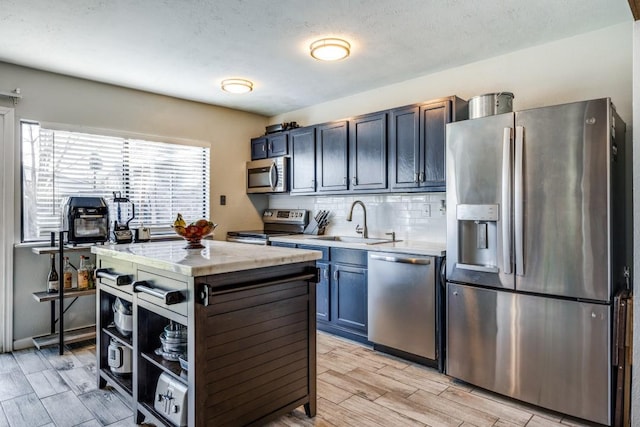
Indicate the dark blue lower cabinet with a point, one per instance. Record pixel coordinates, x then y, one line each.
349 298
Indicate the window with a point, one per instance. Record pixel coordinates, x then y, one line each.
160 178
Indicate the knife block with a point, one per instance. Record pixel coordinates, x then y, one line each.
313 228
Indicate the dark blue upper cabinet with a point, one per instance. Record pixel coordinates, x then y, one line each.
332 156
303 160
417 146
259 148
275 145
433 120
368 152
404 147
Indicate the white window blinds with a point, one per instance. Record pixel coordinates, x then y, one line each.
161 179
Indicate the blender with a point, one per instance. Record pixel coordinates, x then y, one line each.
121 231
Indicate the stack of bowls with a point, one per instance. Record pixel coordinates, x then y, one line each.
174 341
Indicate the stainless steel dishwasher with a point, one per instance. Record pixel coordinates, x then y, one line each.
402 302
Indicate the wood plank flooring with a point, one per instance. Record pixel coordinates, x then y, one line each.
356 387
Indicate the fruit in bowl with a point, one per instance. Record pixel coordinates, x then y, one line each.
193 232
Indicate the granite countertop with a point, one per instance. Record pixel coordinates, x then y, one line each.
217 257
403 246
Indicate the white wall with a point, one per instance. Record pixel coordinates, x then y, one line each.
591 65
55 98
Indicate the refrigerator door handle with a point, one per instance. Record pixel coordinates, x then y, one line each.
518 211
505 214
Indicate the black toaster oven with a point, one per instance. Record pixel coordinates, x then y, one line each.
86 219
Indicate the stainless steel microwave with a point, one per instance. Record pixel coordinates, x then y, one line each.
268 175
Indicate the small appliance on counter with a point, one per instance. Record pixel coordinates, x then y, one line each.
142 234
121 231
171 399
119 358
277 222
86 218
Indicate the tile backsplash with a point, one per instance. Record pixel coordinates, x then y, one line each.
420 217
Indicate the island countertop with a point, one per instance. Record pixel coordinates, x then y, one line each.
217 257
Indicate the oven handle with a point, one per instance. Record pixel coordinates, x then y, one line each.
168 297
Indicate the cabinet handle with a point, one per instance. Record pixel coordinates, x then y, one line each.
120 279
264 148
335 275
421 176
326 273
416 178
168 297
354 181
271 146
344 181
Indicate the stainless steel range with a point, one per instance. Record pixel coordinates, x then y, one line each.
277 222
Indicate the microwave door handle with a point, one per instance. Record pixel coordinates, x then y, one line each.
273 176
518 195
505 213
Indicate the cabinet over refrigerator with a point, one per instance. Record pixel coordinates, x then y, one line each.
536 250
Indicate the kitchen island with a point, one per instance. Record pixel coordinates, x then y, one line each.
249 314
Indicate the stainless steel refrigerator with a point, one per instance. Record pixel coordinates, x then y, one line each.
536 249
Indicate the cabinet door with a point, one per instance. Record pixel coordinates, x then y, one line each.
322 292
331 156
368 152
349 297
404 148
433 119
303 160
277 145
259 148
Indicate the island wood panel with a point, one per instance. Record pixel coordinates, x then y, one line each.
259 339
276 328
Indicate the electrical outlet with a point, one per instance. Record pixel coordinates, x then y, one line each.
426 210
223 200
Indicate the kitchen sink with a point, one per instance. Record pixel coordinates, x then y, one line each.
353 239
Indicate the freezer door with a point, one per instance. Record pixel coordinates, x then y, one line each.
479 179
561 216
549 352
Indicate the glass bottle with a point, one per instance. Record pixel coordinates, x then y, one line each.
53 280
92 273
83 274
67 274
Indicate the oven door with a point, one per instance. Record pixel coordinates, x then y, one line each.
267 176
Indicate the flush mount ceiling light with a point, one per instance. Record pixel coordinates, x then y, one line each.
236 85
330 49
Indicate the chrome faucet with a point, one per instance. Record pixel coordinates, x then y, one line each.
359 230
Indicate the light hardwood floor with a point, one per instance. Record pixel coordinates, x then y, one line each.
356 387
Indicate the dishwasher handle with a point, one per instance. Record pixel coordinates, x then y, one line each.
403 260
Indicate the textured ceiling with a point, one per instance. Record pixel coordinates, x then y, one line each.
184 48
